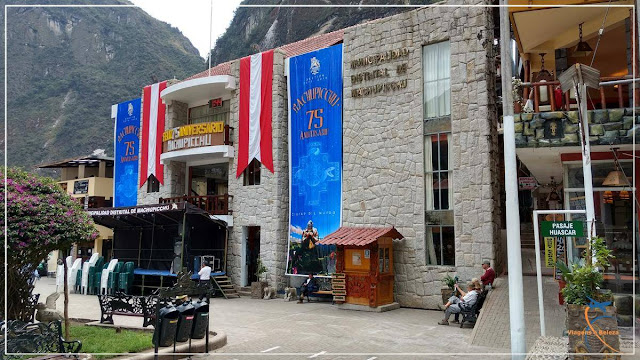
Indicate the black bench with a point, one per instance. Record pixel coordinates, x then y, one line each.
127 305
470 315
31 338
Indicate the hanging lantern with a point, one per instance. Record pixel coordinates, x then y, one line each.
582 49
624 195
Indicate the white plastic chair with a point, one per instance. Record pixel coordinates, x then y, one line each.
73 273
104 279
85 272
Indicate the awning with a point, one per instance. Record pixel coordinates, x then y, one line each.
359 236
147 215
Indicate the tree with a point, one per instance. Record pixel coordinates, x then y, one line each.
41 217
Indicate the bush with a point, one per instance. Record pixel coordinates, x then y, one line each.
41 218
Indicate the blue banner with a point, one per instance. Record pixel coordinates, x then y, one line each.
315 159
126 153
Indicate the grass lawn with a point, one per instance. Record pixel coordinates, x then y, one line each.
96 339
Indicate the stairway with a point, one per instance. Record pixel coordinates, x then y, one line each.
245 291
223 284
527 239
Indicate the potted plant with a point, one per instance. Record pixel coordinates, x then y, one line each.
447 291
591 319
257 287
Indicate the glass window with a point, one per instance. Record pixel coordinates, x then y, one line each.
437 172
153 185
436 63
210 112
440 245
599 172
252 173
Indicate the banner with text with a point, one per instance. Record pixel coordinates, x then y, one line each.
315 158
126 153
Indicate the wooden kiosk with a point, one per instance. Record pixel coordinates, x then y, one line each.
365 261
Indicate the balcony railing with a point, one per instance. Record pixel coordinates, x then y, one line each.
544 99
213 204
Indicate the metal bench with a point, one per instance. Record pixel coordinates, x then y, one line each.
127 305
31 338
470 315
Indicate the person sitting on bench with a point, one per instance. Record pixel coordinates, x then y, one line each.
308 287
455 304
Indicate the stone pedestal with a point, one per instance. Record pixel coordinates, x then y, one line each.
446 294
591 330
257 288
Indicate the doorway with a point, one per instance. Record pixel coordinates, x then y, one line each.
252 253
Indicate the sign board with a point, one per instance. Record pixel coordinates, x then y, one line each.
550 252
315 85
527 183
81 187
562 228
561 255
193 136
213 103
126 143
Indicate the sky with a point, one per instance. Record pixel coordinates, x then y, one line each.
192 18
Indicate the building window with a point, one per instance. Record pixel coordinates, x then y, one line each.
437 172
153 185
436 63
440 245
215 110
252 173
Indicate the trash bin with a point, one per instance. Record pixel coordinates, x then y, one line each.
185 321
165 331
200 319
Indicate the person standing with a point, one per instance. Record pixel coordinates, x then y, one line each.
205 273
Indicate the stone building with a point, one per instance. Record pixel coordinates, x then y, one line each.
420 150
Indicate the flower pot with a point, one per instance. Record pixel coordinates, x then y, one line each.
446 294
257 288
592 330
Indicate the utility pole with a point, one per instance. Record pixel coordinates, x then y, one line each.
514 257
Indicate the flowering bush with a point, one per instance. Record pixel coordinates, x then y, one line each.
41 218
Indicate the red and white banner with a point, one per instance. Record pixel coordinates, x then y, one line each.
254 125
152 128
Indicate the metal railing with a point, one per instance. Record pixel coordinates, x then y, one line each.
213 204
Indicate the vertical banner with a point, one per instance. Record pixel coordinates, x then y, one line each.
315 158
126 152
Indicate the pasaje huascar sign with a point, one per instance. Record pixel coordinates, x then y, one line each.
562 228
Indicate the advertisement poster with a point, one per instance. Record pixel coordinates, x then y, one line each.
126 153
315 159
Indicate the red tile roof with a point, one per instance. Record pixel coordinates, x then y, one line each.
299 47
359 236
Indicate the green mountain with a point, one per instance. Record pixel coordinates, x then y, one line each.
255 29
67 66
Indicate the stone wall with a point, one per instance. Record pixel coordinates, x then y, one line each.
383 143
265 205
610 126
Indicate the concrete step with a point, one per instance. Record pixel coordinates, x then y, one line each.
244 293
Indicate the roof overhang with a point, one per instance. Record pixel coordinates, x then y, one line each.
544 29
199 89
197 154
147 215
359 236
545 162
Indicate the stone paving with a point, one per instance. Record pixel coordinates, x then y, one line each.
493 328
286 330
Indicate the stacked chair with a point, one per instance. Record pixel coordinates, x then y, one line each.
125 278
104 276
94 282
60 274
114 276
84 284
72 274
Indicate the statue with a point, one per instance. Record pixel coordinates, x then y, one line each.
47 312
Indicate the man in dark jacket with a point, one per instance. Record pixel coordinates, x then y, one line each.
307 287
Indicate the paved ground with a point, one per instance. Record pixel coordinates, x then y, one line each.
258 329
493 328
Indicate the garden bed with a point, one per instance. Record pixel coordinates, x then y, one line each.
97 339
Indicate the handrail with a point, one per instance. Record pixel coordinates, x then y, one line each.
213 204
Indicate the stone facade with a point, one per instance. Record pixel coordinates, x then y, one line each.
384 139
607 127
265 205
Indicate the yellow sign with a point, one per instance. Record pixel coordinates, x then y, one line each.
550 252
193 130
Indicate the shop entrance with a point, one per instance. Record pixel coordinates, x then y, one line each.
252 247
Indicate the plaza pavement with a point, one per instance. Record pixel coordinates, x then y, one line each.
275 329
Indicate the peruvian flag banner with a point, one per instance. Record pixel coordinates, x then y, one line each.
152 128
254 123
